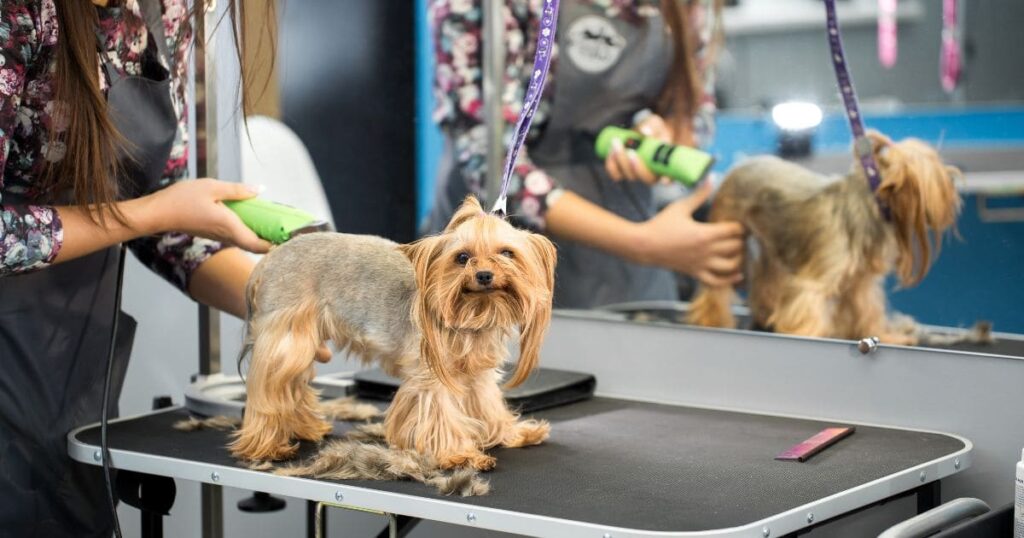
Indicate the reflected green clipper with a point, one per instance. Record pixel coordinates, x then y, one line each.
275 222
683 164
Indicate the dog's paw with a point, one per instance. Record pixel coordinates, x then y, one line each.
266 452
529 432
312 430
482 462
475 460
898 339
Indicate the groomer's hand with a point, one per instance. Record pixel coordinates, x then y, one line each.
194 207
710 252
624 164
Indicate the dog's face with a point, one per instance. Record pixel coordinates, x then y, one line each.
480 274
920 191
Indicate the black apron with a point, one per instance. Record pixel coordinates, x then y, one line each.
55 330
608 69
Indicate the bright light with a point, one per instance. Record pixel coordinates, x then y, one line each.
796 116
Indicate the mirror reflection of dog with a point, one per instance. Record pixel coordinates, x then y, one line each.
437 313
825 246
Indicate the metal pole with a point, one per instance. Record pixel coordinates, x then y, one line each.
206 165
211 496
493 77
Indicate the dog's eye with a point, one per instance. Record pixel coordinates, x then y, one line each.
462 258
507 253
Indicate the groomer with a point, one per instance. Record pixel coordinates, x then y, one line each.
614 59
92 126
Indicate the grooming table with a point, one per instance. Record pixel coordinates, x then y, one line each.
612 468
674 312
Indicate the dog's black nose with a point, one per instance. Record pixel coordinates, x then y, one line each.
484 278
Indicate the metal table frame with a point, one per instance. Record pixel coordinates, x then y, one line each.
921 480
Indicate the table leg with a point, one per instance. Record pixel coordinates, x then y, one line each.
316 520
212 501
152 524
399 527
929 496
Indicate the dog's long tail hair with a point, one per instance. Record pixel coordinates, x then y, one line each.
246 349
280 404
711 306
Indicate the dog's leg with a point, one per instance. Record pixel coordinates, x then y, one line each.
711 307
426 417
802 310
860 313
502 427
280 404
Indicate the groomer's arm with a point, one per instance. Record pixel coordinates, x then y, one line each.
220 281
711 252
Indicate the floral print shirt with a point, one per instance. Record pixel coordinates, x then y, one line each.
31 234
458 94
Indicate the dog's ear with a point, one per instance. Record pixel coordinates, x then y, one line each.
920 192
422 253
469 209
879 143
537 317
433 347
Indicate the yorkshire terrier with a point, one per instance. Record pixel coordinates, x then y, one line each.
437 313
825 246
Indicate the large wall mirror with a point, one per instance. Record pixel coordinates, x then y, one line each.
776 53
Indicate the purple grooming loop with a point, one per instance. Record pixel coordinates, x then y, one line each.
861 143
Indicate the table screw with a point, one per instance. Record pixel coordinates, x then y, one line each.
766 532
471 517
810 517
923 476
338 496
98 456
215 476
868 345
956 463
606 535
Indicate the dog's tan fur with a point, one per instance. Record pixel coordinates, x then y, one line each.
824 246
416 311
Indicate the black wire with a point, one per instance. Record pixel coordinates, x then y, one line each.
106 392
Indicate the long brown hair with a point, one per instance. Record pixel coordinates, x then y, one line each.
684 87
91 141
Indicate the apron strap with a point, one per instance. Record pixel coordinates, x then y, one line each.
152 14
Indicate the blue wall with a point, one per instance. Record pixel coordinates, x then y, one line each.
428 137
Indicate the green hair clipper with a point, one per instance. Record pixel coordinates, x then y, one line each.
683 164
275 222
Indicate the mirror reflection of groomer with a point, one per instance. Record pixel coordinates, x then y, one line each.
614 62
76 80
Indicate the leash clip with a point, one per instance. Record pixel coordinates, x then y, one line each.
499 208
862 147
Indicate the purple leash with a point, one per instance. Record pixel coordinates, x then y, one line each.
541 63
861 143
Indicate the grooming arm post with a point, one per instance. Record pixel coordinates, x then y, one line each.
493 69
211 496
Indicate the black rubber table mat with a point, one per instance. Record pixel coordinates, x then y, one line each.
1010 347
630 464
